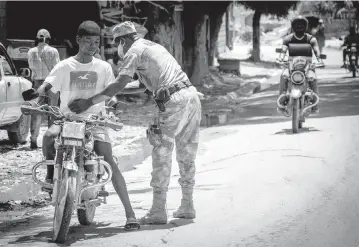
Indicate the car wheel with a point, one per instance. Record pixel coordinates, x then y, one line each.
19 132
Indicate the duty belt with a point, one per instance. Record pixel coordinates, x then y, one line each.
177 87
163 94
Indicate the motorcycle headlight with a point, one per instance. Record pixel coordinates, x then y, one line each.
297 77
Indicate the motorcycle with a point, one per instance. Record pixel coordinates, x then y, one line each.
350 62
299 97
79 174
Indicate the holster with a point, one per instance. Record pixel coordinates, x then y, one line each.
161 97
163 94
154 135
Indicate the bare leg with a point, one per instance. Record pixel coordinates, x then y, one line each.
105 149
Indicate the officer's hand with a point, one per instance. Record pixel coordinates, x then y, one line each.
80 105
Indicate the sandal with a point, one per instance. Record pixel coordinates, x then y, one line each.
132 224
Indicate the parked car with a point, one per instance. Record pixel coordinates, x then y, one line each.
12 83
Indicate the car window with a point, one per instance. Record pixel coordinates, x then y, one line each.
5 64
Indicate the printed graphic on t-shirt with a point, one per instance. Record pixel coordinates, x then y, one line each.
83 84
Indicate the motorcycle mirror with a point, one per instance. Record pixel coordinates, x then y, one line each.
278 50
30 94
322 56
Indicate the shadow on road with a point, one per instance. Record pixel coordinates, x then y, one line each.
97 230
290 131
339 97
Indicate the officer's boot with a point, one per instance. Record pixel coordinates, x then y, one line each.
157 214
186 210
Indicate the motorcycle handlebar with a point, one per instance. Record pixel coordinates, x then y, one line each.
107 123
31 108
286 63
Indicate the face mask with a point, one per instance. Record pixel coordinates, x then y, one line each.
120 50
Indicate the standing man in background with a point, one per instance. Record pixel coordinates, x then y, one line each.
320 35
42 59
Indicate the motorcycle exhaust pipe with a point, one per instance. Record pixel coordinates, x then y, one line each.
109 172
314 104
34 175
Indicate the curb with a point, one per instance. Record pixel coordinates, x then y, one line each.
220 116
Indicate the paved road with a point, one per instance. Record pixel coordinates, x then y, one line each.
257 184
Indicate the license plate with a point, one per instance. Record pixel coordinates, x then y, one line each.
73 142
74 130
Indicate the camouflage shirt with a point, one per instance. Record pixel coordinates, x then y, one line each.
154 65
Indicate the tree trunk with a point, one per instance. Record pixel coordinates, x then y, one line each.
200 53
256 52
215 26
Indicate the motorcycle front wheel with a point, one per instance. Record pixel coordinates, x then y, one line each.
85 216
295 116
64 206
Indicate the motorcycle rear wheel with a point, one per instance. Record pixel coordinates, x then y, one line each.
295 116
64 207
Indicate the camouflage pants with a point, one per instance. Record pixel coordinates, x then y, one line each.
180 125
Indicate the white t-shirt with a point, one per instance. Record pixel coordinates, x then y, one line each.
77 80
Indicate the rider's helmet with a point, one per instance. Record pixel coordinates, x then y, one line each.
300 24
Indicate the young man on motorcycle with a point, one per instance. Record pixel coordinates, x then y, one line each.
177 122
80 75
299 26
348 41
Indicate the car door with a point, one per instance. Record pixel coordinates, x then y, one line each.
13 91
2 95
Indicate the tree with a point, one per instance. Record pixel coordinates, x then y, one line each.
184 34
198 54
278 8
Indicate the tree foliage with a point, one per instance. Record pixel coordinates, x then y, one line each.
332 7
278 8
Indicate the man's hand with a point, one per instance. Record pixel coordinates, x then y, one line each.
80 105
112 102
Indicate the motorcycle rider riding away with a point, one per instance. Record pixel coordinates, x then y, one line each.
299 26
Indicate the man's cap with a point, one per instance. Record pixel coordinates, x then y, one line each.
89 28
43 33
320 21
123 28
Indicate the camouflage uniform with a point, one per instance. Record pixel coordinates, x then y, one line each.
179 123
